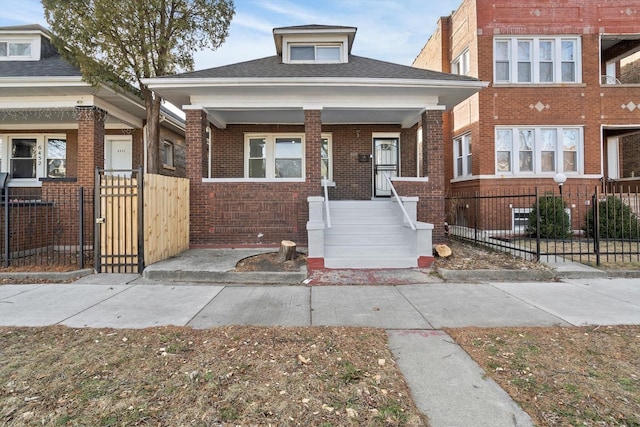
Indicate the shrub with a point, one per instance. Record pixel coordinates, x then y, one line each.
554 219
616 220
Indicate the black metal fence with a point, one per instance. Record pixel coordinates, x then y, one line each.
565 223
46 227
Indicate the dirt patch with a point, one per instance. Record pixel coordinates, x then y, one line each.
586 376
180 376
466 256
269 262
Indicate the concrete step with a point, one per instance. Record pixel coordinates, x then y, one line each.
368 239
367 251
371 262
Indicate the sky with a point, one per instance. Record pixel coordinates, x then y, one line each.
388 30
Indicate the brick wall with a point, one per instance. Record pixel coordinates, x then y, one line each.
586 104
90 143
230 213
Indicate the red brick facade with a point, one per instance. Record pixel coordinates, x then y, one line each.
229 210
599 110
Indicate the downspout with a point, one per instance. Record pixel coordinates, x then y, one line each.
144 145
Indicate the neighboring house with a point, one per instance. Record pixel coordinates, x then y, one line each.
263 134
564 96
55 128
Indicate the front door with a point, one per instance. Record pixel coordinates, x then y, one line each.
118 156
385 164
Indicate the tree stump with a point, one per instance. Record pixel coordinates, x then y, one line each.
287 251
443 251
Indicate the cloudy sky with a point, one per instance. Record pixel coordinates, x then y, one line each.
389 30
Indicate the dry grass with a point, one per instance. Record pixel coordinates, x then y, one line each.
57 376
563 376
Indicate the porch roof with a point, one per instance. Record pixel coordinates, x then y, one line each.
362 90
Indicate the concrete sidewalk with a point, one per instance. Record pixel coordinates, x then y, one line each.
446 384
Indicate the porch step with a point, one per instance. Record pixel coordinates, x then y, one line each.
366 234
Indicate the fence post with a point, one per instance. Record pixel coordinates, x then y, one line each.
7 252
475 218
537 204
81 231
596 226
96 230
140 220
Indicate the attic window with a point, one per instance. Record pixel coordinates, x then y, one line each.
15 49
315 53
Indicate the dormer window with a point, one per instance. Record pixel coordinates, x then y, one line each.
15 49
315 53
314 44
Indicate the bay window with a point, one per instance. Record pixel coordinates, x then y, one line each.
538 150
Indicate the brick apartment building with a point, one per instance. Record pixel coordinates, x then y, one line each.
564 96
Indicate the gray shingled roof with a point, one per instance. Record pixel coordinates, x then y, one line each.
357 67
54 66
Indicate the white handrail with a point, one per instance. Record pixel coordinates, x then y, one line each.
326 202
402 208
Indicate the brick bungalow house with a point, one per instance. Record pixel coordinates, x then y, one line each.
262 136
55 130
564 96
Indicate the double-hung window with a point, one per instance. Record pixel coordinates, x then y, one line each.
462 154
531 60
538 150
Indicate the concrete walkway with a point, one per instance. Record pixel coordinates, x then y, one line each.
446 384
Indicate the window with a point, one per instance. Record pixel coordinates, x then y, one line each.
520 218
315 53
537 60
275 156
23 157
168 154
15 49
31 157
461 64
288 158
325 154
282 156
545 150
462 153
56 158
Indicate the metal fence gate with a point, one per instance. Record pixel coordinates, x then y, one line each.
119 238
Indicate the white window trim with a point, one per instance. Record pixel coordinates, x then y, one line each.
466 153
172 164
461 64
41 157
329 138
270 141
535 59
315 40
559 158
514 211
33 41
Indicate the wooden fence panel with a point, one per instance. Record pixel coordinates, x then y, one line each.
166 217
